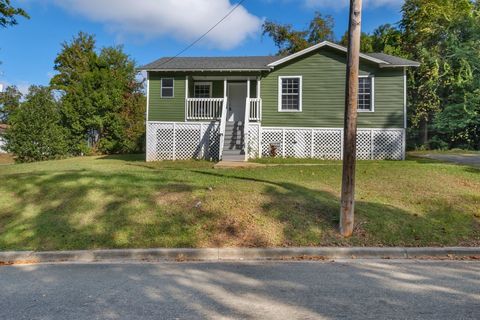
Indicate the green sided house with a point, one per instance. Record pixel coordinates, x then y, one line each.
236 108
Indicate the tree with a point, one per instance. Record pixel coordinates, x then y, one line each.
75 66
8 14
100 97
366 42
386 38
443 36
35 132
9 102
122 102
289 40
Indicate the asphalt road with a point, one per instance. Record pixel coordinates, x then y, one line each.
463 159
354 289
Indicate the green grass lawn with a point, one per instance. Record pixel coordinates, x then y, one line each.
123 202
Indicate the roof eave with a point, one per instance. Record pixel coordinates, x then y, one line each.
203 70
400 66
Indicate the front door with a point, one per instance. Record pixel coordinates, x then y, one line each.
237 95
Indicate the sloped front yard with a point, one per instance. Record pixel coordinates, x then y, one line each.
123 202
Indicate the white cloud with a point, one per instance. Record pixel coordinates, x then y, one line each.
22 86
340 4
185 20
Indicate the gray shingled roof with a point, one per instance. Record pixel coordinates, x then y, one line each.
252 63
394 61
211 63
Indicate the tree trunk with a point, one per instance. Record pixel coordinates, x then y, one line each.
425 133
350 125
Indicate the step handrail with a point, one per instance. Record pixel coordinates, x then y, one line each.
246 124
223 123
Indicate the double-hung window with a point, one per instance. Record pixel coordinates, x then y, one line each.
202 90
290 94
167 88
366 94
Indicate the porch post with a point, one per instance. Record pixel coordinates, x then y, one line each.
246 121
186 97
147 141
225 87
258 88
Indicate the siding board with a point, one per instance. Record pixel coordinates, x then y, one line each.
324 74
166 109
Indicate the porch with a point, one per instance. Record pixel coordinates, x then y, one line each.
211 98
232 101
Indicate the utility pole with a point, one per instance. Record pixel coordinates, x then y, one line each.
350 125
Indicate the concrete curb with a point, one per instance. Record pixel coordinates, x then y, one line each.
234 254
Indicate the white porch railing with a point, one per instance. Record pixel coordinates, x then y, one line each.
255 109
204 108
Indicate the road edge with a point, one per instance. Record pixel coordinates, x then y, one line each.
236 254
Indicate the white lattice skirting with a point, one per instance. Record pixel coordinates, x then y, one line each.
180 140
200 140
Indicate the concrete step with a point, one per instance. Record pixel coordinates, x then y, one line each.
231 146
233 158
238 136
233 151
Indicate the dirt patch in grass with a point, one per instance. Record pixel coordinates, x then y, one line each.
6 158
174 194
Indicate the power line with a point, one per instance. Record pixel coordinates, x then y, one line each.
203 35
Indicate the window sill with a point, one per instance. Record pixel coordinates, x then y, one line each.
290 111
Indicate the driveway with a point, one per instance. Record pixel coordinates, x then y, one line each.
468 159
353 289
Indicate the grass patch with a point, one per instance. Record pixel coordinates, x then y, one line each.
123 202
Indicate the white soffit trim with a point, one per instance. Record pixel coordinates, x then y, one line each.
321 45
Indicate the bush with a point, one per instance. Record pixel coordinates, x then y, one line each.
437 143
35 132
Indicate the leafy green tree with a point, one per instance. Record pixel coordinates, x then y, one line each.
443 36
288 40
97 91
386 38
122 107
366 42
8 14
35 132
75 65
9 102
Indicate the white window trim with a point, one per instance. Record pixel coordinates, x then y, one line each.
280 78
173 88
372 109
203 83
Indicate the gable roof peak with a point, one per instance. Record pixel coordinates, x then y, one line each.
321 45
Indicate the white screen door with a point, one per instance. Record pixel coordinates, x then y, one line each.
237 95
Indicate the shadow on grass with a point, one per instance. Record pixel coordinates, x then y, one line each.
311 218
185 207
124 157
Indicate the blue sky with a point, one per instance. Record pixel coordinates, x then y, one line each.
150 29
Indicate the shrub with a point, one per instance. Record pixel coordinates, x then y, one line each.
35 132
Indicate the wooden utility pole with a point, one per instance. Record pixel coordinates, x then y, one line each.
350 125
